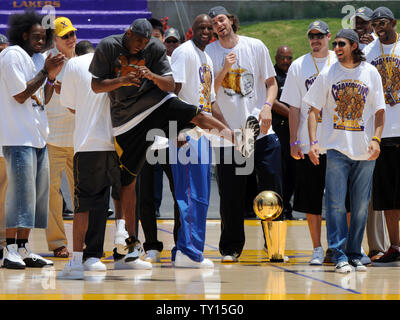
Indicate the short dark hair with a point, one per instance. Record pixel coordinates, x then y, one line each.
83 47
21 23
235 24
156 24
358 55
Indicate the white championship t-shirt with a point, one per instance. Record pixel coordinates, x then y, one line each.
61 121
21 124
349 99
391 85
243 91
93 129
301 75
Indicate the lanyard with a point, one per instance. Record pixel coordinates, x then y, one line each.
315 64
389 70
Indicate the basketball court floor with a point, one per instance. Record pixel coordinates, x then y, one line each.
253 278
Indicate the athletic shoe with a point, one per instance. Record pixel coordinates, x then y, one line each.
119 241
358 265
391 258
365 260
71 272
317 258
132 259
230 258
31 259
183 261
153 256
12 259
94 264
343 267
328 256
246 141
375 254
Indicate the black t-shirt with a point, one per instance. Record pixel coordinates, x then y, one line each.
112 60
280 79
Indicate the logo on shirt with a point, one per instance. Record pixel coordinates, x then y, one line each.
126 65
350 97
308 83
238 82
205 75
391 86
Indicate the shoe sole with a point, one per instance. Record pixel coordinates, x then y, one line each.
386 264
252 123
30 263
131 266
12 265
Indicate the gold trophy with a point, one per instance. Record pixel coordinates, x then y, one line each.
268 205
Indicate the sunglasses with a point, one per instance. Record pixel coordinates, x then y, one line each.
171 41
381 23
313 36
339 44
68 35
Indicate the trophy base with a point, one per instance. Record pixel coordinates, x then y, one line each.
275 238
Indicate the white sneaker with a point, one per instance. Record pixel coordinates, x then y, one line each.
358 265
71 272
343 267
183 261
31 259
132 261
246 141
94 264
153 256
119 241
230 258
12 259
317 258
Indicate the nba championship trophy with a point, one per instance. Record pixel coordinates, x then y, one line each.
268 206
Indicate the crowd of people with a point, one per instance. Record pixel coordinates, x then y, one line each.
320 128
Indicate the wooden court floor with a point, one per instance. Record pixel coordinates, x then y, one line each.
254 278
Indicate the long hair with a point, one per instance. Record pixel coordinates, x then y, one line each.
235 24
20 23
358 55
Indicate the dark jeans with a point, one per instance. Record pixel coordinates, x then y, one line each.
232 190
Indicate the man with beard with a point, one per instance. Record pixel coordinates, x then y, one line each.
23 133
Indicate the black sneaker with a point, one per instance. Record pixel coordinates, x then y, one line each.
391 258
31 259
358 265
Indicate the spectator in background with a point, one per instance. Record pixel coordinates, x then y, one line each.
158 29
280 125
172 40
363 26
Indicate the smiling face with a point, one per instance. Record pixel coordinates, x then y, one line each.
202 31
35 40
222 26
344 50
363 27
66 44
384 28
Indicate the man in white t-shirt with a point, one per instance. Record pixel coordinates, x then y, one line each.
351 97
363 26
23 133
96 167
3 176
384 54
310 179
243 72
60 142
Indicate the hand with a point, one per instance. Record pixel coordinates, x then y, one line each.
366 38
265 119
131 79
230 60
374 150
53 65
314 154
57 86
145 72
296 153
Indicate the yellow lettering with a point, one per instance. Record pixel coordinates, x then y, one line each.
32 4
56 4
24 4
15 4
40 4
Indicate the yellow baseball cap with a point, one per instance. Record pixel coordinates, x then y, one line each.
63 26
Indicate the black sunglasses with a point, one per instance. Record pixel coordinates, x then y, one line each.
340 44
380 23
313 36
171 41
68 35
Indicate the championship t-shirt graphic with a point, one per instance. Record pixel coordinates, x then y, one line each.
238 81
129 64
308 83
390 78
350 97
205 74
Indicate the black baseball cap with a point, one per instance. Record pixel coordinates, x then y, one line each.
3 39
213 12
319 25
172 32
364 13
348 34
382 12
142 27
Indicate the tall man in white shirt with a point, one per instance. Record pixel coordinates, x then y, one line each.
384 54
23 133
351 97
245 86
60 142
310 179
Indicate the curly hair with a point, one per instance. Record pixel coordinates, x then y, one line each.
21 23
358 55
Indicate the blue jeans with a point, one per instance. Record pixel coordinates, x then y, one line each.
346 242
27 197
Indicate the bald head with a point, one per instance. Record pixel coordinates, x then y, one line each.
284 57
202 31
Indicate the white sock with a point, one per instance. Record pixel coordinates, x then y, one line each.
76 257
120 224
